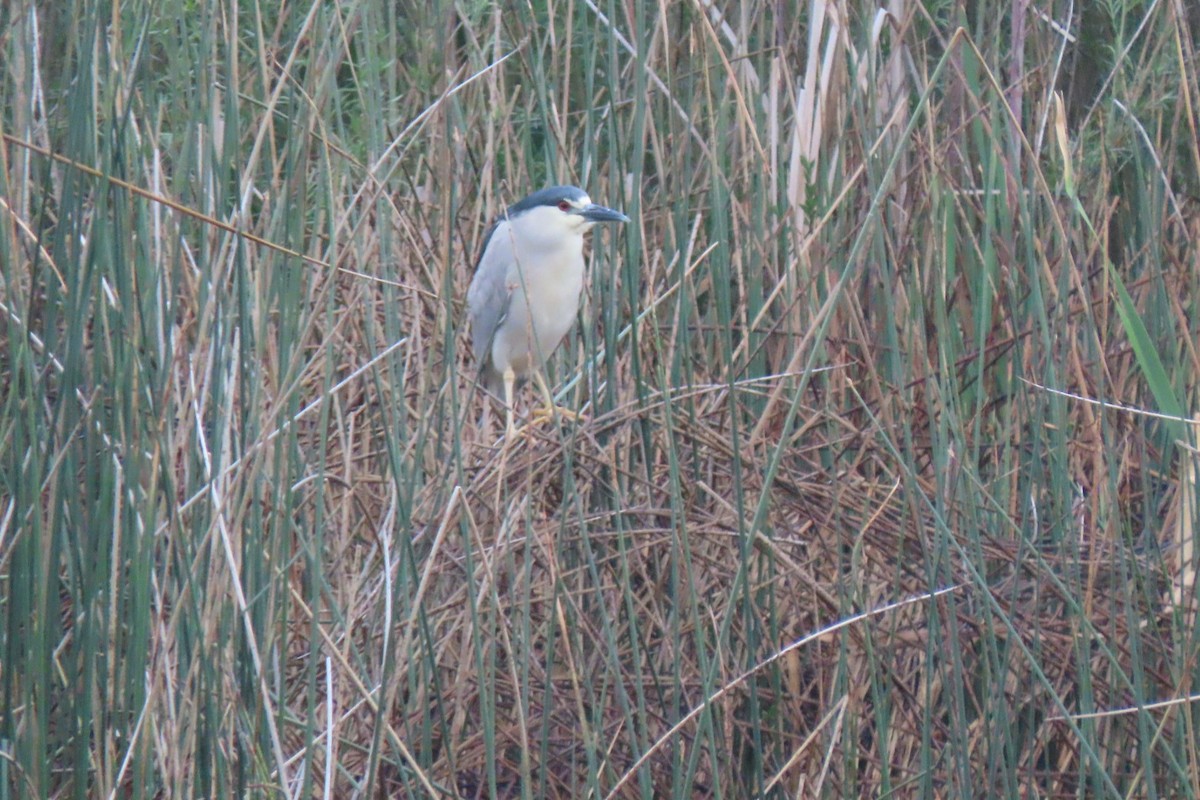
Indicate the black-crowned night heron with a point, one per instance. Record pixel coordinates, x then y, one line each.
525 293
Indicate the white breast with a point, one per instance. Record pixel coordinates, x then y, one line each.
546 280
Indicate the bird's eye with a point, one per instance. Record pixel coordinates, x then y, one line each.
564 206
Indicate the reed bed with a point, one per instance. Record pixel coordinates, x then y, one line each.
887 481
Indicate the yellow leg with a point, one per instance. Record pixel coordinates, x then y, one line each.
550 409
543 388
510 430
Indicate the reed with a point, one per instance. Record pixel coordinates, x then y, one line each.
887 484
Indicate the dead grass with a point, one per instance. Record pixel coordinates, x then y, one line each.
844 517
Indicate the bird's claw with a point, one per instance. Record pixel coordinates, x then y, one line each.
550 412
540 416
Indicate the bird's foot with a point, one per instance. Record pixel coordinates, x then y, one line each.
540 416
550 412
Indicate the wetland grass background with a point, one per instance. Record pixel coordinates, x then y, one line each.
886 487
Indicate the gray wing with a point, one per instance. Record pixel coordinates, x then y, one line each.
488 297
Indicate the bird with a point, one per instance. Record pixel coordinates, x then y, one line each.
524 295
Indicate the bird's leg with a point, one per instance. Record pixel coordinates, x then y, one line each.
544 388
510 378
551 409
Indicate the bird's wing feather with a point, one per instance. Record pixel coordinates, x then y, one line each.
489 295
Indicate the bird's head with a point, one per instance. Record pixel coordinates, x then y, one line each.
563 209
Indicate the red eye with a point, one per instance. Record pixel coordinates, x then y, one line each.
564 206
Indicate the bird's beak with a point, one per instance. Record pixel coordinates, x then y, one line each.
595 213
